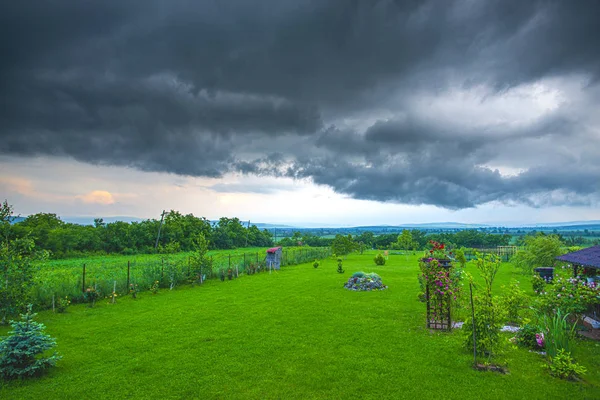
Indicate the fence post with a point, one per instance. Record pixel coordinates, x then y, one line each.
473 317
128 272
83 280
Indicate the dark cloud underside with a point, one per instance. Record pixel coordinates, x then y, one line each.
285 88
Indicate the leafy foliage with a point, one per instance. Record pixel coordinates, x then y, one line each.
488 314
513 301
343 245
340 267
558 333
540 251
379 259
17 266
526 336
563 366
21 353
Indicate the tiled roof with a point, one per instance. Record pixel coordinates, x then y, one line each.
589 257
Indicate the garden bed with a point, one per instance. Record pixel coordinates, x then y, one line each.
360 281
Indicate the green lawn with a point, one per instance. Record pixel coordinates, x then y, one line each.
292 334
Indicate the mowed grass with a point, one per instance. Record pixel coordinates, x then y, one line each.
292 334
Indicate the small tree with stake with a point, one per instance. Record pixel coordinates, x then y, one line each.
340 270
21 352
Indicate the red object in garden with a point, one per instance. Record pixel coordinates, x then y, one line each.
273 249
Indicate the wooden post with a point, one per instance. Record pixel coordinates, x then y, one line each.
229 265
237 274
83 284
128 274
428 306
115 286
473 319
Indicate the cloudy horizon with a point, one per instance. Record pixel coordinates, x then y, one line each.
323 112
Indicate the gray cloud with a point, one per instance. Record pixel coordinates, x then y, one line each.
207 88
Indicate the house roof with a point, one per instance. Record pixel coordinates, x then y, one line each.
273 249
589 257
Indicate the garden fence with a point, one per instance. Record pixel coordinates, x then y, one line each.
169 271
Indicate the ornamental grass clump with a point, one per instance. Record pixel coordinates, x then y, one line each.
359 281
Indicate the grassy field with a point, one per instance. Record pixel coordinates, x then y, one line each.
292 334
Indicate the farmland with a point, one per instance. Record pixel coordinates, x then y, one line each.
292 334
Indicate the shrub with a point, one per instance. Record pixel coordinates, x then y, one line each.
20 353
513 301
526 336
133 290
154 287
91 295
340 268
316 264
540 251
538 283
62 304
379 259
562 366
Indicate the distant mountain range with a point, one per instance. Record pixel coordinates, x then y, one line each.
577 225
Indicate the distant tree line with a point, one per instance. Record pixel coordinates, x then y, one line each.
178 233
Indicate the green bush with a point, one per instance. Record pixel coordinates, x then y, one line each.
526 336
538 283
340 268
379 259
20 353
316 264
358 274
62 304
513 302
563 366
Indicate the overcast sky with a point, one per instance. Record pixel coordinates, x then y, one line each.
334 112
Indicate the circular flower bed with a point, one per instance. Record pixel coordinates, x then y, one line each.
367 282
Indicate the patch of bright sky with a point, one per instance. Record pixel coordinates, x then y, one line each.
71 188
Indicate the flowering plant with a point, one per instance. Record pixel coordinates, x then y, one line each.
91 295
62 304
438 251
365 282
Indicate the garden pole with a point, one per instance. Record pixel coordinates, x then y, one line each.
428 305
473 317
83 284
128 274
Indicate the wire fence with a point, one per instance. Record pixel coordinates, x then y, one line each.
167 271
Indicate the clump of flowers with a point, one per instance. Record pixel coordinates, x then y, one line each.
438 251
365 282
572 295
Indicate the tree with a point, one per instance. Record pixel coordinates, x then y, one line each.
17 269
540 251
21 352
343 245
405 240
200 262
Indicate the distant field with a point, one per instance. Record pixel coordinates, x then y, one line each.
295 334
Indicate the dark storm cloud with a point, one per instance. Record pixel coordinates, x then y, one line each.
204 88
